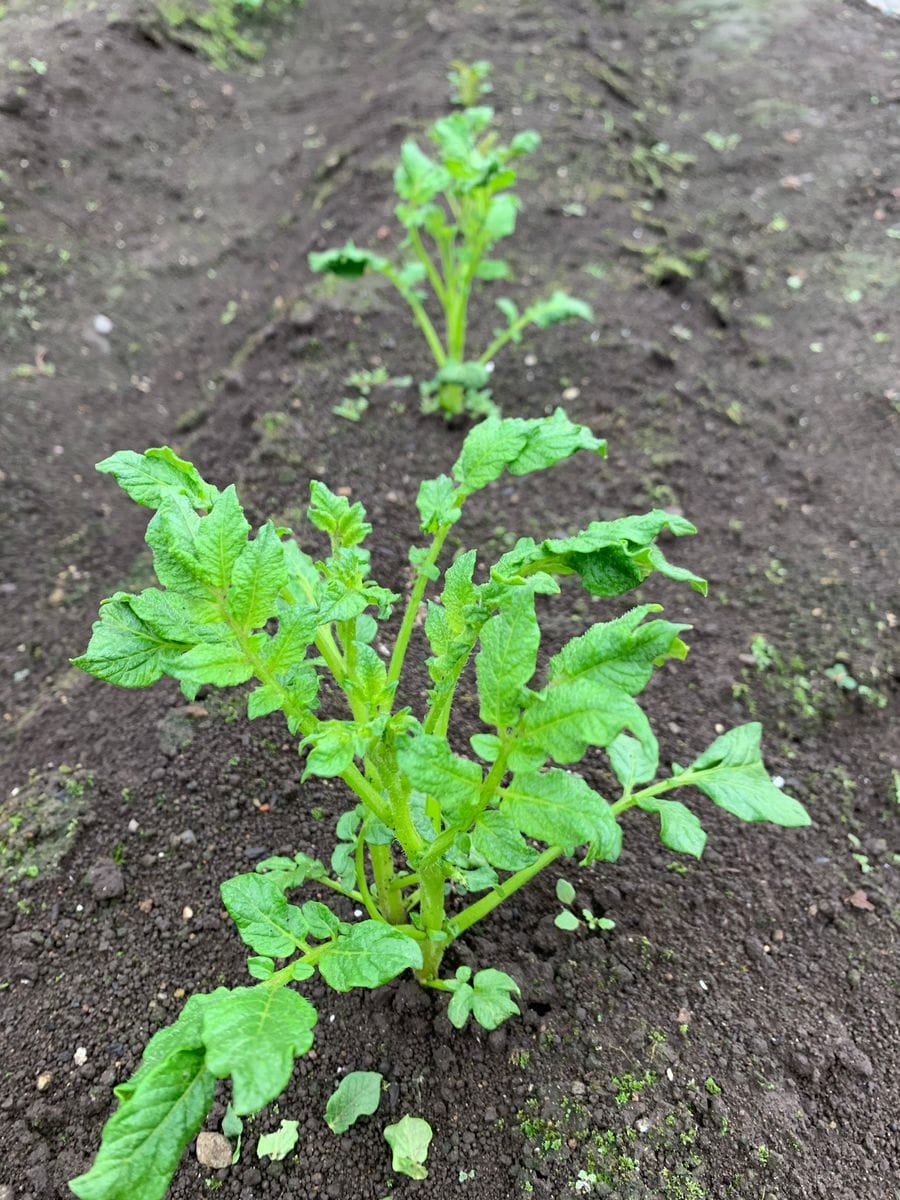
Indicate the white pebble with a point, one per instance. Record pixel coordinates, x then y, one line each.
79 1058
102 324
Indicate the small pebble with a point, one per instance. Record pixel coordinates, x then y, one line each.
79 1058
102 324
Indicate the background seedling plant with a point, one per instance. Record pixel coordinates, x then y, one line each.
455 208
434 839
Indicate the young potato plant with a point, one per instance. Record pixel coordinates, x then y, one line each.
455 208
436 835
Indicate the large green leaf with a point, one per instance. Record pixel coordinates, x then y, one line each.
185 1033
507 659
145 1137
368 955
497 838
149 477
221 537
555 807
265 920
224 664
570 716
433 768
619 654
126 651
254 1034
611 557
259 575
731 772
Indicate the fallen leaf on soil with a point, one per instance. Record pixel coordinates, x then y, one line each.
859 899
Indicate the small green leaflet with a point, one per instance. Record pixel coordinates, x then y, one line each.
519 446
559 307
496 837
145 1137
345 523
679 829
488 998
348 260
507 659
357 1095
732 774
233 1129
633 762
253 1034
555 807
438 503
148 478
278 1145
566 920
433 768
409 1140
265 920
368 955
565 892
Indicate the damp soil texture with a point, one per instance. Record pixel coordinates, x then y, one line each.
716 179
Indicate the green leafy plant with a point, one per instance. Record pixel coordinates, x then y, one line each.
357 1095
217 29
455 208
469 81
435 838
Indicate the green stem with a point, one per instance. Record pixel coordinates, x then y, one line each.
502 338
630 800
480 909
362 882
412 606
431 270
390 902
431 908
421 316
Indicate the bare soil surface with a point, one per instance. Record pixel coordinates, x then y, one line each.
736 1034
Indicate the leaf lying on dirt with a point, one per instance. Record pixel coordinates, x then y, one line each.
357 1095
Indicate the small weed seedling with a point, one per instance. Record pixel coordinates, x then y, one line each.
455 209
434 838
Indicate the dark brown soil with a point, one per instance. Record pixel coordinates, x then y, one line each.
736 1033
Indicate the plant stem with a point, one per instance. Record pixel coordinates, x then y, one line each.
412 606
390 902
475 912
421 316
502 338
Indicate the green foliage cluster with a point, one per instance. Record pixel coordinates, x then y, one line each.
436 835
219 29
455 208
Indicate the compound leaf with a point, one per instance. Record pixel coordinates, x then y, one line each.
507 659
433 768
